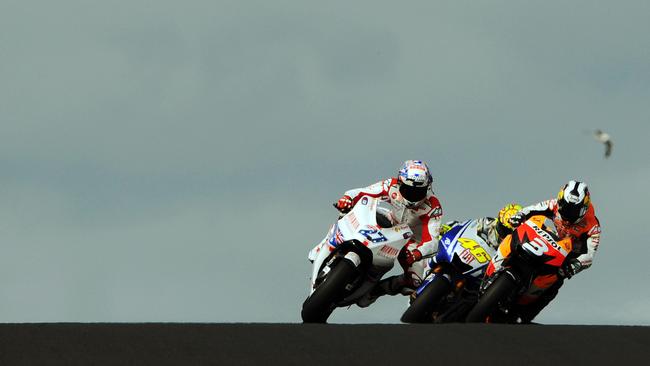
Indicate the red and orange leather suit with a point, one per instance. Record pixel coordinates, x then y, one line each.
585 234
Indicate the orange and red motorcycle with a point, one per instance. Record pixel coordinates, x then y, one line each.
527 263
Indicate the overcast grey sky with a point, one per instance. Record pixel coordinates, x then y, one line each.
175 161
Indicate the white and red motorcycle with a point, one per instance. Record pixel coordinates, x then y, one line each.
358 250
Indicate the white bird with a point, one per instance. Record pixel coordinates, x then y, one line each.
604 138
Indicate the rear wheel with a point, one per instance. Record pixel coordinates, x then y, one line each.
422 308
499 290
318 307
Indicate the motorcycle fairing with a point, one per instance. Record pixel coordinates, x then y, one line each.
462 248
538 250
360 226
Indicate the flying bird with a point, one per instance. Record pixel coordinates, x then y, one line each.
604 138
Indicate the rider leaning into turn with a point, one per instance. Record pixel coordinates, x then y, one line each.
413 202
492 230
574 216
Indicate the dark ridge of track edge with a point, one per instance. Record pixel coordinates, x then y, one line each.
314 344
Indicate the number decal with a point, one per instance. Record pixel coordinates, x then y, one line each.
537 247
475 249
373 235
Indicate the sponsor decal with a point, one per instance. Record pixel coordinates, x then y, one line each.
388 251
354 221
544 235
364 201
401 228
467 256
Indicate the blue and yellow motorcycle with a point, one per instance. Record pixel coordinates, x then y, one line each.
450 287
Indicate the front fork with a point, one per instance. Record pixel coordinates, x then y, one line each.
354 252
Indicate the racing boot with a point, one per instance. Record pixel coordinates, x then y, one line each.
390 286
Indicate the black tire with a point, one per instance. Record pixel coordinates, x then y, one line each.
502 287
422 308
318 307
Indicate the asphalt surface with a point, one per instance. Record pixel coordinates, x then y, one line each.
298 344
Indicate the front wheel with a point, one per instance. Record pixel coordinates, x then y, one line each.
499 290
422 308
318 307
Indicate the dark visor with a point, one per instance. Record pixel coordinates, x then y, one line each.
413 194
569 211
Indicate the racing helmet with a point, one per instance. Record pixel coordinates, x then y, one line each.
573 201
414 182
503 225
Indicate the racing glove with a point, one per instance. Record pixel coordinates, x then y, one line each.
447 226
344 204
410 257
570 268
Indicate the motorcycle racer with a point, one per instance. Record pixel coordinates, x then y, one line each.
574 216
411 201
491 229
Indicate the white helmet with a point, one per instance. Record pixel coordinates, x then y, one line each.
573 201
415 180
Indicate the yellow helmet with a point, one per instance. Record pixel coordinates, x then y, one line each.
503 220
